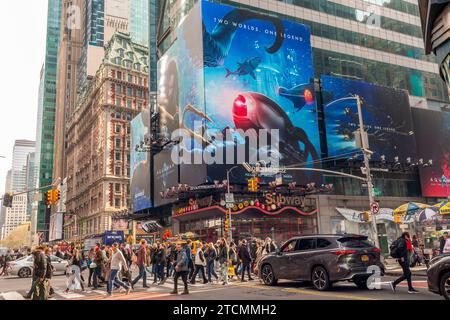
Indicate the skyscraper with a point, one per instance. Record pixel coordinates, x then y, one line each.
18 213
22 148
139 10
49 106
101 19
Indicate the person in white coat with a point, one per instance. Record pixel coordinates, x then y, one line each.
118 263
200 264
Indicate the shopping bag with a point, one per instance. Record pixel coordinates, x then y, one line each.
231 271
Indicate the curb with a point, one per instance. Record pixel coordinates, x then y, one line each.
399 273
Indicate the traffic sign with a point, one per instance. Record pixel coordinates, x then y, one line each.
229 198
375 208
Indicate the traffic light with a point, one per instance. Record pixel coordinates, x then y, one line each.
49 201
226 228
253 185
56 196
8 200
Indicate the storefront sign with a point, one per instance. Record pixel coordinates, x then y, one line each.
281 200
192 205
111 237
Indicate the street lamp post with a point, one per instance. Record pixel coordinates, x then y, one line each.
230 230
366 152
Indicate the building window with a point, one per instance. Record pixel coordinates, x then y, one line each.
130 78
117 188
119 75
118 156
129 103
118 143
118 171
118 128
118 102
117 202
118 88
139 93
129 91
140 81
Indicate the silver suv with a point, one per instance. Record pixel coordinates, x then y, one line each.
323 260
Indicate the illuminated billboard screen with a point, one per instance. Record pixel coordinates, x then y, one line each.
258 74
386 116
140 162
433 143
166 177
238 83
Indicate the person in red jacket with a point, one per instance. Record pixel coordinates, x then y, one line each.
141 256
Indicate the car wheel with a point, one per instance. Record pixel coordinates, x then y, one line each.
445 286
268 276
320 279
361 283
24 272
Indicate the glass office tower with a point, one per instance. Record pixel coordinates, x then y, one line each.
49 107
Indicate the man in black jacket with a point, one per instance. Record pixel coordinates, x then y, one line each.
244 256
403 260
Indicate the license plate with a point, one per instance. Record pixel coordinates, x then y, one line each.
365 258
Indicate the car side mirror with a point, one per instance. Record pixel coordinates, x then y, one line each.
279 252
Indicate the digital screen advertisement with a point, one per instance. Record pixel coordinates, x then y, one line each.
239 75
386 116
140 162
433 126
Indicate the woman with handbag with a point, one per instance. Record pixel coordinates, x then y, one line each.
117 263
233 259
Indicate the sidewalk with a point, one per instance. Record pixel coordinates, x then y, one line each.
394 269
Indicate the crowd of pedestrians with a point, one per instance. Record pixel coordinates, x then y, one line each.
111 267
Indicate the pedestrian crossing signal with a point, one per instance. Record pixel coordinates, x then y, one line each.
253 184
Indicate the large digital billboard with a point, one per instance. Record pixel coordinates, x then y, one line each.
241 83
140 162
386 115
433 142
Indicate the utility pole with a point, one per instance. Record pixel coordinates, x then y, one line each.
366 152
230 230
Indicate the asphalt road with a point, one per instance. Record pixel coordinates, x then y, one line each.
14 288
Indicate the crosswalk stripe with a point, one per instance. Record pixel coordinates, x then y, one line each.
69 295
12 295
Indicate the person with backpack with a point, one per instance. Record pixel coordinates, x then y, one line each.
199 264
399 250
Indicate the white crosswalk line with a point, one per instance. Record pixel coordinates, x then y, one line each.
69 295
13 295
